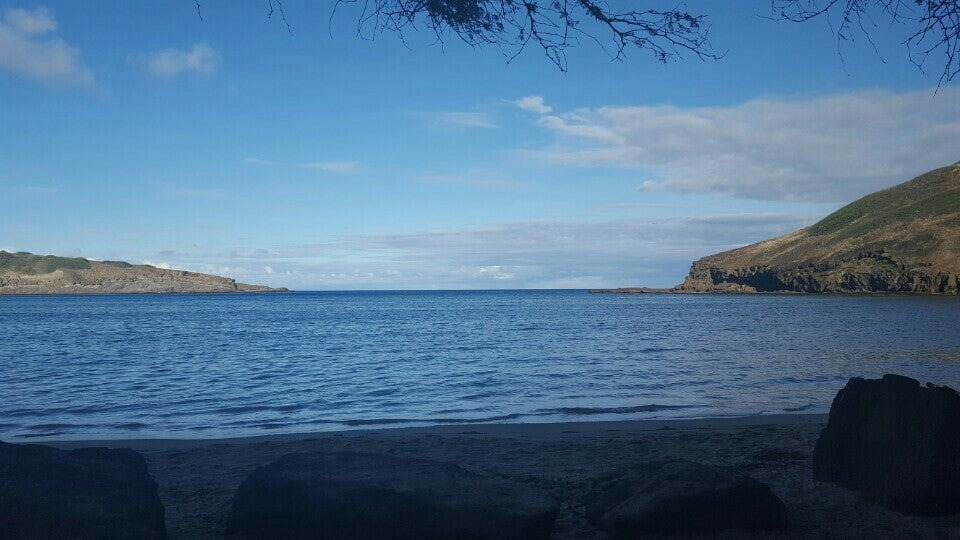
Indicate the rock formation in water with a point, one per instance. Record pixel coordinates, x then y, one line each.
25 273
904 239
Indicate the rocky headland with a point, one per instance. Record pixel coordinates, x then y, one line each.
905 239
26 273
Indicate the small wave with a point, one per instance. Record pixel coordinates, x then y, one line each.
382 392
130 426
800 408
258 408
584 411
58 426
31 412
386 421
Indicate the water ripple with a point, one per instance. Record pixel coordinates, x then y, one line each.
225 365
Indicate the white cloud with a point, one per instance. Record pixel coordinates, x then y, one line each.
160 265
28 47
30 22
465 119
493 272
258 161
201 58
826 149
533 104
268 269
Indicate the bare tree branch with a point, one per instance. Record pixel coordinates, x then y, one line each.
937 24
283 16
553 25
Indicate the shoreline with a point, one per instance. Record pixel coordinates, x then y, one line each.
842 294
142 293
197 478
541 429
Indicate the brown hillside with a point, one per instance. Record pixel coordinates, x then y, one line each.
902 239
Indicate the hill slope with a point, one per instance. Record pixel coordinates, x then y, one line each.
25 273
902 239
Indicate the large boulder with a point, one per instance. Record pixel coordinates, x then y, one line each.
94 493
895 441
367 496
680 497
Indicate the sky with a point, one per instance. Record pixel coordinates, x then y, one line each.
316 159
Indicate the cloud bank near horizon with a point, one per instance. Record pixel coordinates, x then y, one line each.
528 254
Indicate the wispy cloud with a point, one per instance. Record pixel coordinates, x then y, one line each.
466 180
825 149
29 46
201 58
467 119
534 104
455 120
329 166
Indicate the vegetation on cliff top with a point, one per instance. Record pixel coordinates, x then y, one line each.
932 195
26 273
22 262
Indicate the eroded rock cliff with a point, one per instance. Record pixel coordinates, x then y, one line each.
25 273
905 239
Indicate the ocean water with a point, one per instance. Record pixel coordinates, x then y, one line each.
233 365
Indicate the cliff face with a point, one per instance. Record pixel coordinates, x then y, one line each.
24 273
904 239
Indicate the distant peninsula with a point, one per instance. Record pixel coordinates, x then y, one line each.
26 273
905 239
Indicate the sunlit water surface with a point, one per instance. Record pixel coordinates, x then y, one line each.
230 365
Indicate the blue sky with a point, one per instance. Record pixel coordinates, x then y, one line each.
317 160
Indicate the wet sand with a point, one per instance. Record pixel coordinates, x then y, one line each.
197 478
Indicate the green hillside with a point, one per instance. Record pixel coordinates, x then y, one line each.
30 264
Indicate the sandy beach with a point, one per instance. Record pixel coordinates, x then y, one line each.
197 478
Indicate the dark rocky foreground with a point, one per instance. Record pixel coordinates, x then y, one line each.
90 493
370 496
890 442
895 441
681 497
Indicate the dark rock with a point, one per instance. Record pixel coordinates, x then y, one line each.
680 497
87 493
366 496
896 442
